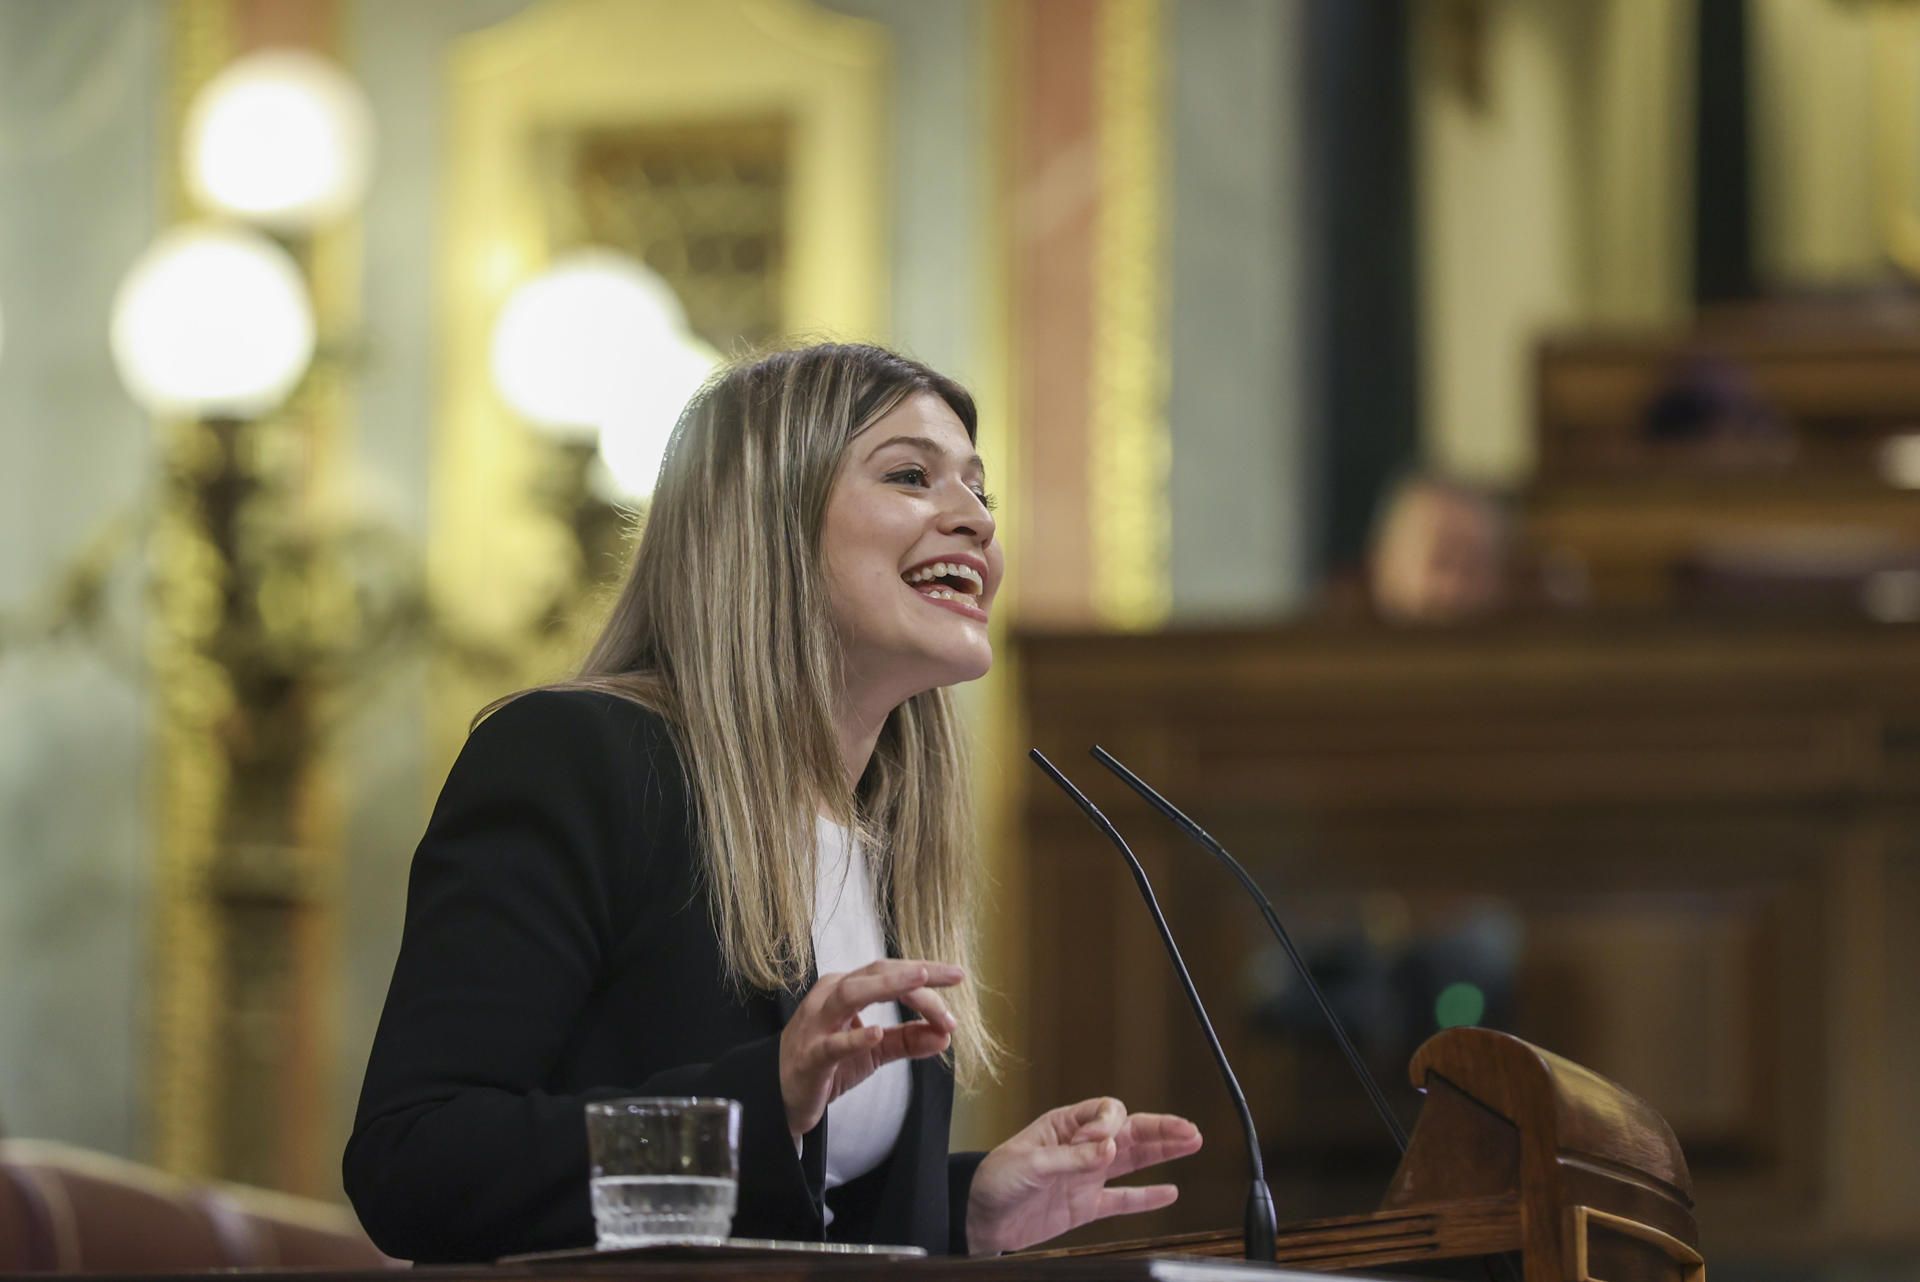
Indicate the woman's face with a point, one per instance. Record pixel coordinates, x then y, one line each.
912 564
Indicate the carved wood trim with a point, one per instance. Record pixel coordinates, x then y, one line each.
1581 1219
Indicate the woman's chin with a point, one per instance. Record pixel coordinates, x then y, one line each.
976 664
959 667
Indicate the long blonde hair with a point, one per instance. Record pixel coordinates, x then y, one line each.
723 627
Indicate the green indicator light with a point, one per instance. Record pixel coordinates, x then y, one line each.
1459 1004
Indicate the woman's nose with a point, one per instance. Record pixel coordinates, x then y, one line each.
966 514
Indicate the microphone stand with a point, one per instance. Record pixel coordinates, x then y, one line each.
1261 1222
1247 883
1205 840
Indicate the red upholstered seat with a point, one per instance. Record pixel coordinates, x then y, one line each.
67 1210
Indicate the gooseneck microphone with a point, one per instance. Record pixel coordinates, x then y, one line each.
1247 883
1261 1222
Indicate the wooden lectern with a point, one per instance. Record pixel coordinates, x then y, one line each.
1516 1150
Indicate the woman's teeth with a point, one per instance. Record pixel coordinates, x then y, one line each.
948 570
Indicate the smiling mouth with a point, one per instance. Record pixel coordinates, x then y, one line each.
947 581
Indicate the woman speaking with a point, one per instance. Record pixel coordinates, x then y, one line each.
732 857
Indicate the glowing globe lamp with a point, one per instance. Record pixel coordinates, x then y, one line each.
282 139
213 322
633 439
566 342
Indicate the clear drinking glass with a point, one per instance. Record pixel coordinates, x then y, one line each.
664 1169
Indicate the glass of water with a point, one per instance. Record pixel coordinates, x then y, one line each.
664 1169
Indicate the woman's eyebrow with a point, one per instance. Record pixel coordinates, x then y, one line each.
930 445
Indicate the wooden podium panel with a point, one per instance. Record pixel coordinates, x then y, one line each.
1697 842
1523 1166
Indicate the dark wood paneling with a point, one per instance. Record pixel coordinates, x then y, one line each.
1688 848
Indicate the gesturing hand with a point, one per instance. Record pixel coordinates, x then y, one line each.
1053 1176
825 1051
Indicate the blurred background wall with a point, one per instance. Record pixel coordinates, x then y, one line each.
82 164
1466 342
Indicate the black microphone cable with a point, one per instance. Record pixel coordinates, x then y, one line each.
1261 1222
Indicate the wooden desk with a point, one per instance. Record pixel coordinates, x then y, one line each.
1701 839
1836 386
1807 421
1170 1268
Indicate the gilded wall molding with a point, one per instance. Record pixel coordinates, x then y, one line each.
1896 131
1130 453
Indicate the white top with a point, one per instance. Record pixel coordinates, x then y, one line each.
862 1124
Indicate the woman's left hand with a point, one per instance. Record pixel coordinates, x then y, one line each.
1053 1176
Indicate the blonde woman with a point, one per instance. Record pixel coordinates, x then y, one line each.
731 858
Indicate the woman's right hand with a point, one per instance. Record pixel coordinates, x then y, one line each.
825 1051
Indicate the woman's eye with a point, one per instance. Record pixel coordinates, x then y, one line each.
919 478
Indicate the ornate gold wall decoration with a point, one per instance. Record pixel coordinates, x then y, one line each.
1130 451
990 1116
735 145
192 695
702 203
249 611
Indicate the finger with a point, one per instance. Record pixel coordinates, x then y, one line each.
927 1004
1057 1160
1151 1138
1158 1125
947 973
1133 1199
911 1041
887 981
835 1047
819 995
1096 1119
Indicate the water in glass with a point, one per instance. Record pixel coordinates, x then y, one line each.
639 1210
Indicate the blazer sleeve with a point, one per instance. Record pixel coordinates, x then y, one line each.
960 1172
458 1154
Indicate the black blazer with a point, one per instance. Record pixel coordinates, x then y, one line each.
558 949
